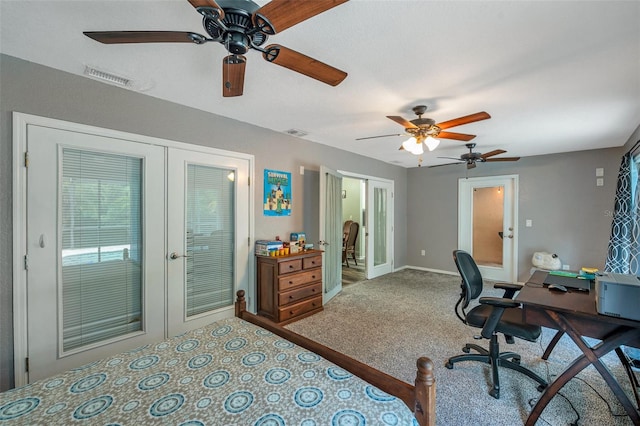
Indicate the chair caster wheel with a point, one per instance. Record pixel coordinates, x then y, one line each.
541 388
466 350
516 361
448 365
495 393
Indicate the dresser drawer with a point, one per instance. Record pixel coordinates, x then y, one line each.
290 266
300 308
312 262
299 293
291 281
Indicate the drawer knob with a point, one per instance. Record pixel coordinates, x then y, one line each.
290 282
290 266
290 296
291 312
313 277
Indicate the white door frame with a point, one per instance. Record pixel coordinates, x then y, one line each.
20 124
509 269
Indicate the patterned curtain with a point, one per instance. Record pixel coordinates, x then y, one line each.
622 256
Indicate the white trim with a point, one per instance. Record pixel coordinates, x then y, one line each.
20 342
20 123
437 271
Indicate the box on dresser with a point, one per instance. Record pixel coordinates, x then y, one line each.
289 287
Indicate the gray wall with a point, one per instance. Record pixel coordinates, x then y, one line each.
34 89
571 215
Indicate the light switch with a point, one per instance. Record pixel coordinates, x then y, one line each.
599 172
301 170
528 223
600 182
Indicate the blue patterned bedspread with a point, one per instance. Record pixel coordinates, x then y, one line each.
228 373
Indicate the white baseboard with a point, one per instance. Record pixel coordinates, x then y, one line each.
420 268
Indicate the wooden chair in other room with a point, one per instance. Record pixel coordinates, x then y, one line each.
349 244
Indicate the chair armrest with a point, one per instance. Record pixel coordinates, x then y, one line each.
510 289
499 304
508 286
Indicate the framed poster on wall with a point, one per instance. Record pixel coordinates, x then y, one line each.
277 193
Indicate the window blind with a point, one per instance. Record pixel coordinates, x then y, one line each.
210 236
101 246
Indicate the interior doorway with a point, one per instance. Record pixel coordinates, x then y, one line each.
487 224
354 228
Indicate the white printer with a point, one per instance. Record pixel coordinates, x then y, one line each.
618 295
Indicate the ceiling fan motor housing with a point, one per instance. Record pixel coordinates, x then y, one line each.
240 33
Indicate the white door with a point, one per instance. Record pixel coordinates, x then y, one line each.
379 228
95 221
208 239
487 224
331 231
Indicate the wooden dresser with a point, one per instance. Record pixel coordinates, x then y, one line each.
290 287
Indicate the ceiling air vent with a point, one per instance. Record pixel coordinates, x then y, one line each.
296 132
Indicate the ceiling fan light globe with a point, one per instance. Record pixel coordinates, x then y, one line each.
409 143
413 146
431 143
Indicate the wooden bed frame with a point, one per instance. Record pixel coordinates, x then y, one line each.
421 398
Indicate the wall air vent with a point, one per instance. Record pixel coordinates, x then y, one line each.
108 77
296 132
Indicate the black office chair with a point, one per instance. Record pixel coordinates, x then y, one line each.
493 315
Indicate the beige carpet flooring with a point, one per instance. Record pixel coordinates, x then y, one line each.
390 321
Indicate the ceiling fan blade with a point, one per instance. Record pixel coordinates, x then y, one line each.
303 64
456 136
445 164
453 158
381 136
403 122
233 67
209 7
492 153
503 159
278 15
115 37
464 120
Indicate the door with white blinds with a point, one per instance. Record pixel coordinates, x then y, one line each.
95 247
379 228
208 239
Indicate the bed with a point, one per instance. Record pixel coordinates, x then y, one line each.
244 370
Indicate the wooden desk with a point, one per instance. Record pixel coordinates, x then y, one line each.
575 313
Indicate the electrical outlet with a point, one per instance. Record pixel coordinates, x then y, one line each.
422 252
566 267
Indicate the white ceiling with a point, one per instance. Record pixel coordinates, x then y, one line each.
556 76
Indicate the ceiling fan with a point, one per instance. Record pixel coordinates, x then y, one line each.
425 130
240 25
471 158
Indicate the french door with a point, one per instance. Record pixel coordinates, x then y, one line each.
95 248
208 237
379 239
331 231
126 240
